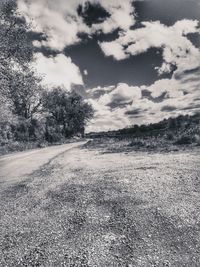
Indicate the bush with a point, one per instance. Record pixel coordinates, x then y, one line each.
197 139
184 140
53 135
170 136
137 143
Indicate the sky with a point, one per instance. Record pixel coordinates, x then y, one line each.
135 62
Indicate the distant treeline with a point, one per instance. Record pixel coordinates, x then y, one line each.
181 125
28 111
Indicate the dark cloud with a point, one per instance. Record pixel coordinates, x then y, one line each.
147 94
194 106
168 108
187 74
118 104
96 93
134 112
132 117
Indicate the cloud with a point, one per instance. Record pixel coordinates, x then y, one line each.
113 49
168 108
57 19
178 95
61 23
120 105
122 94
58 71
178 50
106 118
170 87
85 72
121 16
110 107
123 105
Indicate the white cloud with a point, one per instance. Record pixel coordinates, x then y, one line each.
57 19
85 72
169 86
178 95
121 15
108 118
186 26
121 105
61 23
122 94
165 68
177 48
58 71
113 49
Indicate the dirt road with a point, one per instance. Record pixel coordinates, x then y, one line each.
69 206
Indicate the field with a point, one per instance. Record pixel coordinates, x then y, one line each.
87 207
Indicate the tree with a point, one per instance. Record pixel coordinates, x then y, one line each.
18 81
27 112
24 92
20 89
67 111
15 44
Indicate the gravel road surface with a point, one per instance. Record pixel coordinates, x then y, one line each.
70 206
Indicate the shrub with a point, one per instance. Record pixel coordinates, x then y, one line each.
170 136
137 143
197 139
184 140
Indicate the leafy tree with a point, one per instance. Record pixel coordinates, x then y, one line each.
27 113
20 90
24 92
67 110
18 81
15 44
